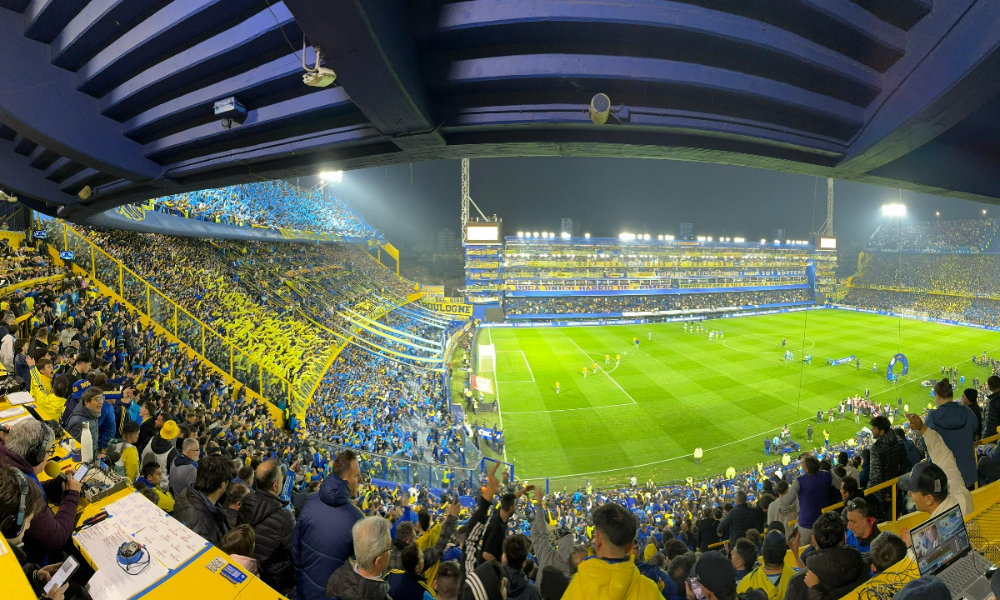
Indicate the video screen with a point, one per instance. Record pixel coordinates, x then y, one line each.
939 544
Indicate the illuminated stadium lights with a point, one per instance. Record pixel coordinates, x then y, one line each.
777 241
520 234
626 236
565 235
984 211
701 238
659 237
646 237
535 234
332 176
893 210
763 241
937 213
670 238
710 238
586 235
739 240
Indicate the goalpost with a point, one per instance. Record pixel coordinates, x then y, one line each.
487 358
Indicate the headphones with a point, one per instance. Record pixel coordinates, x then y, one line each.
36 453
13 525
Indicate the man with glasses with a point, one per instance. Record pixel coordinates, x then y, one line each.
27 448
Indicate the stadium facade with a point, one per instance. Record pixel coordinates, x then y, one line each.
537 278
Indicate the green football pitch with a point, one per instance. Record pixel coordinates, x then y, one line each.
679 390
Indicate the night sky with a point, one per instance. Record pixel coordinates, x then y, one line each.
610 195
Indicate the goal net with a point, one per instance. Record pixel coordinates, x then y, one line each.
487 358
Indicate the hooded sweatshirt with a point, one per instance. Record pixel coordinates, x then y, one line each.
518 586
597 578
839 570
559 556
956 423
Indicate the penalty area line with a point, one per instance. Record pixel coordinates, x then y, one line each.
602 370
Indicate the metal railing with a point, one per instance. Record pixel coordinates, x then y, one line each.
402 470
201 338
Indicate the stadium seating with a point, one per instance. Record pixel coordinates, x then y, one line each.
618 305
270 204
970 235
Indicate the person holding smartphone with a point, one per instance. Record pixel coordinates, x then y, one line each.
714 578
14 524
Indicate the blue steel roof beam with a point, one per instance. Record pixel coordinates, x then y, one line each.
17 175
55 115
836 24
956 76
41 157
177 26
643 119
898 13
61 168
300 155
253 42
368 45
328 104
23 145
75 183
17 6
44 19
641 81
283 75
6 133
650 29
96 26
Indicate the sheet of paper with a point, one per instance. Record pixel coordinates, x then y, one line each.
135 512
111 582
170 542
20 398
101 542
12 412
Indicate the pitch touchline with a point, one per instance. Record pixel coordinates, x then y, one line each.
536 412
602 370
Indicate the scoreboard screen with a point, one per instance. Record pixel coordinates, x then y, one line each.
483 233
827 243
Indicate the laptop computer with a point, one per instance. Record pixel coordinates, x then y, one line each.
942 548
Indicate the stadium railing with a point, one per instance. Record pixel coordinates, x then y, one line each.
126 285
402 470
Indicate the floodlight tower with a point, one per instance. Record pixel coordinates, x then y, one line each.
827 227
467 199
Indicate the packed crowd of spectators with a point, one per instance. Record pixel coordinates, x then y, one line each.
975 275
982 311
967 235
271 204
598 305
17 265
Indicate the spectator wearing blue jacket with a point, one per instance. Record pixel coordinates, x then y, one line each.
322 540
956 424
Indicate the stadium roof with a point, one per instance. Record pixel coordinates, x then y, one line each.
117 95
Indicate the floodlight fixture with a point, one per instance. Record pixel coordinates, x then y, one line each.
535 234
586 235
565 235
332 176
893 210
739 240
646 237
520 234
763 241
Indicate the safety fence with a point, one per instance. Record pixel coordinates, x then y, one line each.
201 338
404 471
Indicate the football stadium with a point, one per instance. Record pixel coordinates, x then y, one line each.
499 300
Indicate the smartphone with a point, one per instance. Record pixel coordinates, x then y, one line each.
81 472
696 588
65 571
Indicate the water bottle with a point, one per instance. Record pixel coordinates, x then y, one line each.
87 443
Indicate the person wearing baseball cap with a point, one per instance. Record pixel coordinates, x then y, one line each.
763 577
611 573
717 577
935 487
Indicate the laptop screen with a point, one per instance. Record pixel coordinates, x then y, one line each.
940 541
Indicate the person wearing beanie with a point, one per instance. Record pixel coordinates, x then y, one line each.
924 588
717 577
162 450
970 398
610 573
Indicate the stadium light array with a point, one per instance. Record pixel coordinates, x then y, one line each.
520 234
535 234
565 235
332 176
984 211
626 236
701 238
670 238
646 237
937 213
763 241
739 240
586 235
893 210
659 237
710 238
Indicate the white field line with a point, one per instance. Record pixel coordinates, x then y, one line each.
602 370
